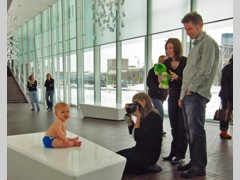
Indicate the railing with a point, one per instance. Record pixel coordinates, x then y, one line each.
20 81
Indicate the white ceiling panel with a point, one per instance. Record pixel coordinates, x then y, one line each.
24 10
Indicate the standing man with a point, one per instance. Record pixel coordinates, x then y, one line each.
49 84
157 95
198 76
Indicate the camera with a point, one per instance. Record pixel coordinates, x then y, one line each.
133 107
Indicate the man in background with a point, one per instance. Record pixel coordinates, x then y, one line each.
157 95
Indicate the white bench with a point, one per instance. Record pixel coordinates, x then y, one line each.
27 159
98 111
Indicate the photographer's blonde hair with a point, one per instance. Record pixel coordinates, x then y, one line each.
149 106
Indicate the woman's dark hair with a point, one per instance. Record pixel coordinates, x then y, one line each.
178 50
49 75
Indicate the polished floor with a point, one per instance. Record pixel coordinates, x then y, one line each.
114 135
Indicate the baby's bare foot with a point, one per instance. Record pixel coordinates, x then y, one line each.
77 143
73 139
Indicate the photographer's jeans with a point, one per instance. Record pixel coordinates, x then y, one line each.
157 103
193 108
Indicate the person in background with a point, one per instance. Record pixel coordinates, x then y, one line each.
55 136
175 65
226 95
147 132
198 76
157 95
32 88
49 84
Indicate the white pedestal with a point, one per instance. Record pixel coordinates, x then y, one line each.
28 159
103 112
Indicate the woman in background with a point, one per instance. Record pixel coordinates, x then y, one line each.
49 84
32 88
226 95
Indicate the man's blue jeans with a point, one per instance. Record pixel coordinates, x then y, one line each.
157 103
49 98
193 108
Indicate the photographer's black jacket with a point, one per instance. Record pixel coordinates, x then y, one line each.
148 139
149 136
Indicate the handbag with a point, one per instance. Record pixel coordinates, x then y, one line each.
223 114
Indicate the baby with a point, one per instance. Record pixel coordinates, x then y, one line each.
55 136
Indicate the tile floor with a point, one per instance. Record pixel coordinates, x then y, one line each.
114 136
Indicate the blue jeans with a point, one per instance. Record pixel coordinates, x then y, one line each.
49 98
193 108
157 103
34 98
225 125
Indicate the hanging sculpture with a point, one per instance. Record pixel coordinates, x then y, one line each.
12 40
106 13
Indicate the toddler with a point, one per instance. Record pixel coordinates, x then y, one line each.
55 136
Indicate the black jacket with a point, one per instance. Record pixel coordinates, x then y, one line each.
32 85
149 136
175 85
49 84
226 92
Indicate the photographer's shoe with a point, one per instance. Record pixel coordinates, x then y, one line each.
154 168
184 167
177 160
167 158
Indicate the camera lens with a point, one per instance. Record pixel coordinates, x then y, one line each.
131 108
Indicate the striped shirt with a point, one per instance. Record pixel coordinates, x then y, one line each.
202 63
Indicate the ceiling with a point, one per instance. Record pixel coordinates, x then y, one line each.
23 10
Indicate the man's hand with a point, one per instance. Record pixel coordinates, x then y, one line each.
180 103
188 92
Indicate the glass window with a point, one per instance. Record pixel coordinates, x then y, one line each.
210 12
39 77
31 40
108 75
134 20
167 15
88 76
25 43
19 34
222 32
61 74
88 27
73 78
132 78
